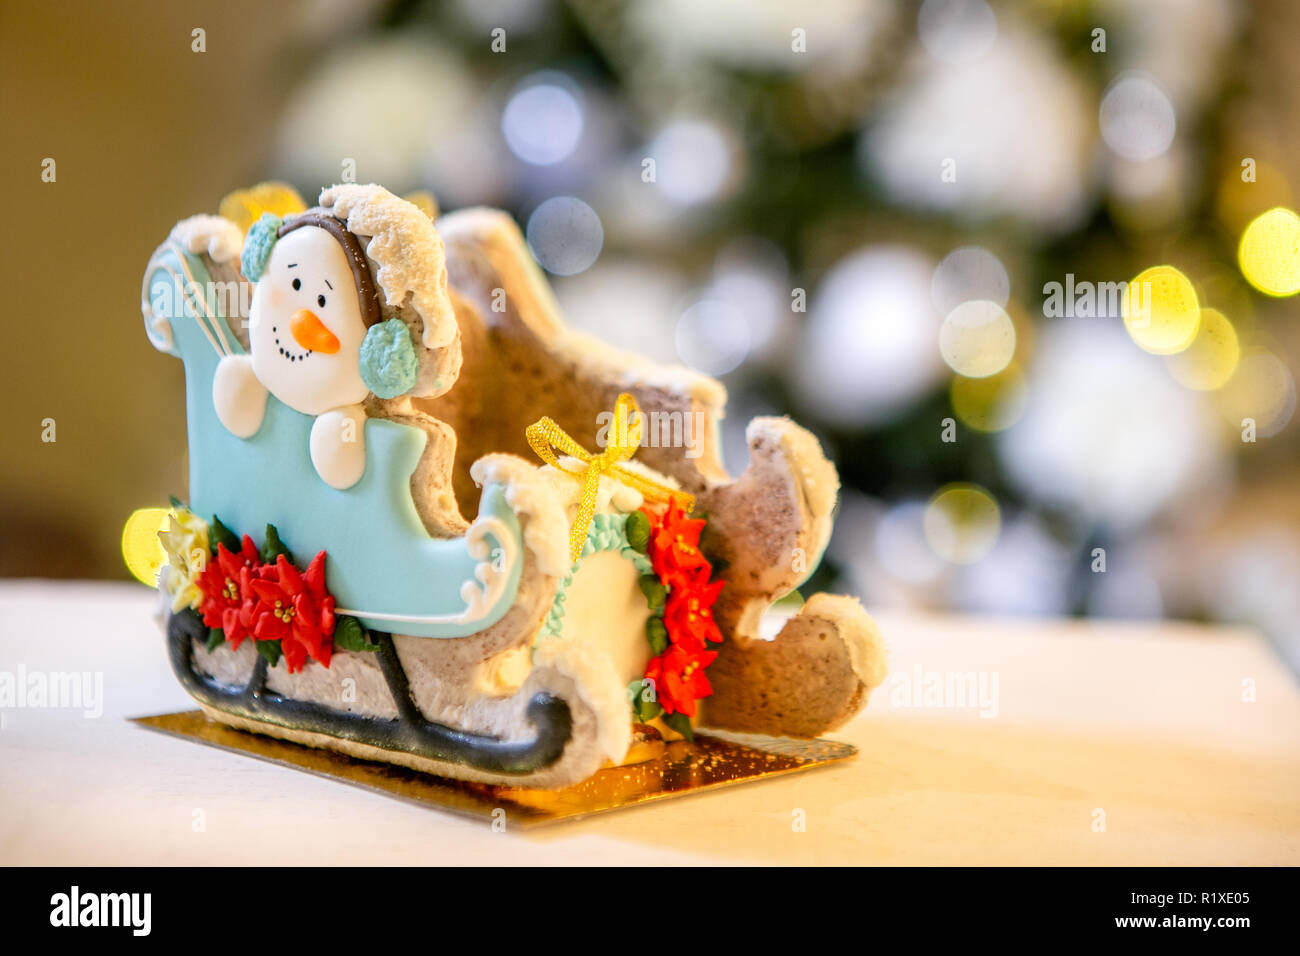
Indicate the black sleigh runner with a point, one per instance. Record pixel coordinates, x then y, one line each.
359 377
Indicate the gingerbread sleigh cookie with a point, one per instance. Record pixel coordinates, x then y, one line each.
428 525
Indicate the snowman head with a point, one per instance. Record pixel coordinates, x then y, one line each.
317 337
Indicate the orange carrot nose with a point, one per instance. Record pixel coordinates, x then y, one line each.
310 332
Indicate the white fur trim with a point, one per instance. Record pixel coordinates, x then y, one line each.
530 495
409 252
219 238
594 679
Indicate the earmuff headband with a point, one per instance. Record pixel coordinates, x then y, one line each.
369 298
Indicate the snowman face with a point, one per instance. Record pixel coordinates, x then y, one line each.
304 325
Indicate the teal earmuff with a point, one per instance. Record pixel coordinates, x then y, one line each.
258 245
388 362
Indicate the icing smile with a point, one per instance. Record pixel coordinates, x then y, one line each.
288 353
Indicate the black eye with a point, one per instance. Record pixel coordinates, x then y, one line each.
320 300
297 284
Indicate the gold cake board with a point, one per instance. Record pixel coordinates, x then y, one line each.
712 761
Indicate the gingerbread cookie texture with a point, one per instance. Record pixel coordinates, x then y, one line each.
769 526
811 679
467 610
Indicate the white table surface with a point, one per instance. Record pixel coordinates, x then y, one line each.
1146 723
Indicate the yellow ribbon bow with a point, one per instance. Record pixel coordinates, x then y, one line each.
546 438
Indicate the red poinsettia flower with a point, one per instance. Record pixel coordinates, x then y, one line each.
688 615
679 679
224 584
675 545
294 608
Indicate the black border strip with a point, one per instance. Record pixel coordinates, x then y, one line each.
409 733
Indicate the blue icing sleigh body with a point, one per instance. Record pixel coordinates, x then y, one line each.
382 565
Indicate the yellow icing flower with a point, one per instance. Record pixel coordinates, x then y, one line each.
244 207
185 540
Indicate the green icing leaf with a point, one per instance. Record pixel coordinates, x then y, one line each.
176 502
637 531
655 593
218 533
645 710
273 547
270 650
349 635
216 637
641 695
680 723
657 634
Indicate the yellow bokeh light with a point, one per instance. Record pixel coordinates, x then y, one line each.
141 549
1161 312
990 404
1212 357
1269 253
962 523
977 339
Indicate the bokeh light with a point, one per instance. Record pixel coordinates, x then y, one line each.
1212 357
565 235
712 336
1269 253
335 115
869 348
977 339
962 523
693 161
1161 311
753 276
971 272
141 549
542 122
939 144
1262 390
1137 119
992 403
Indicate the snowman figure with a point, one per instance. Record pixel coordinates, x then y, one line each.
317 341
